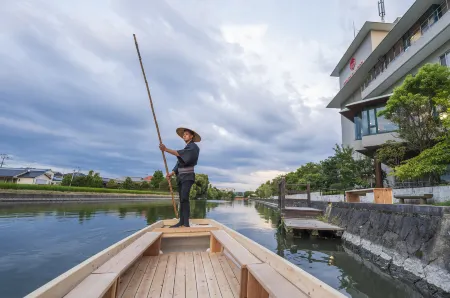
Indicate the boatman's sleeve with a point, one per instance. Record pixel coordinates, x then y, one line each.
175 168
188 154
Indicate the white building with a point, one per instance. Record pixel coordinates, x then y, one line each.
26 175
378 60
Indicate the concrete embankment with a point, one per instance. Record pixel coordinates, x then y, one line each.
35 196
408 242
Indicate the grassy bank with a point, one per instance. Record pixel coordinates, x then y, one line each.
58 188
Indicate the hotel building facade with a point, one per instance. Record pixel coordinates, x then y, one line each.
377 61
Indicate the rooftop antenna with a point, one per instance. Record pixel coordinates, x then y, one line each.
381 10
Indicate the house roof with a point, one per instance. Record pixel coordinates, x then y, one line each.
148 178
32 173
22 172
11 172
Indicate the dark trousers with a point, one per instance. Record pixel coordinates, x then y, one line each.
184 188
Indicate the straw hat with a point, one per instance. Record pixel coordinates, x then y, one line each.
180 132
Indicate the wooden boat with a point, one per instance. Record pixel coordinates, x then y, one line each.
205 260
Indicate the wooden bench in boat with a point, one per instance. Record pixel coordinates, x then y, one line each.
103 282
264 282
221 240
423 198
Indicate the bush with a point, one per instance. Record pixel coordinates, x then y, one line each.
74 189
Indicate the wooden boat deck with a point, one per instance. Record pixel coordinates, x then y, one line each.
184 274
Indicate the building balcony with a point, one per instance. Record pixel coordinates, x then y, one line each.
424 42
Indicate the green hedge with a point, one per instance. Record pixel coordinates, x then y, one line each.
76 189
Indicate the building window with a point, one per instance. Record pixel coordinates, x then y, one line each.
358 127
445 59
372 124
384 125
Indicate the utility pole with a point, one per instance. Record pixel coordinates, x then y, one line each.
3 157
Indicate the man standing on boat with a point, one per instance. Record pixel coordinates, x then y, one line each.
184 170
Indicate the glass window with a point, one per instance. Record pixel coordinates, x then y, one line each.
383 124
372 121
445 59
358 127
365 123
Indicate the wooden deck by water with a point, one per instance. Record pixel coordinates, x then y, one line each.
309 224
181 275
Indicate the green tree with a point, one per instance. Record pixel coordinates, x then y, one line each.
391 153
66 180
248 193
158 177
432 162
128 183
97 181
144 185
416 105
112 184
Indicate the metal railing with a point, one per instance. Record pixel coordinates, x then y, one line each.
406 43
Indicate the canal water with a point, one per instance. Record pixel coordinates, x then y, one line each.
40 241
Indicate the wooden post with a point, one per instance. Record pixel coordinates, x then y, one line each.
279 195
308 194
283 194
378 176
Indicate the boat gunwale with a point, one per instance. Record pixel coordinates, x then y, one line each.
307 283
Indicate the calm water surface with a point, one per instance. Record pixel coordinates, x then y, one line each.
38 242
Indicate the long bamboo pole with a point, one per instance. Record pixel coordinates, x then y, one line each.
156 124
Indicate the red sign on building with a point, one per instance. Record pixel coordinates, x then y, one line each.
352 64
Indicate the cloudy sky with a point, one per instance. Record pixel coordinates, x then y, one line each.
252 77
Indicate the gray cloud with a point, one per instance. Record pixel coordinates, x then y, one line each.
72 92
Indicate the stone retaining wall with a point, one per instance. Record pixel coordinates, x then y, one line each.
409 242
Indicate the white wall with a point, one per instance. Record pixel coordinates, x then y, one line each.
33 180
440 194
360 55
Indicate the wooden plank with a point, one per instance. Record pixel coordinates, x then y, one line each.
192 221
158 279
254 289
125 279
211 280
310 224
94 286
123 260
239 252
63 283
191 283
137 278
202 285
214 245
180 277
182 235
147 279
222 281
383 195
185 230
301 279
275 284
233 281
235 268
169 278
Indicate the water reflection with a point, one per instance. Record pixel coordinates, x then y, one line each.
40 241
